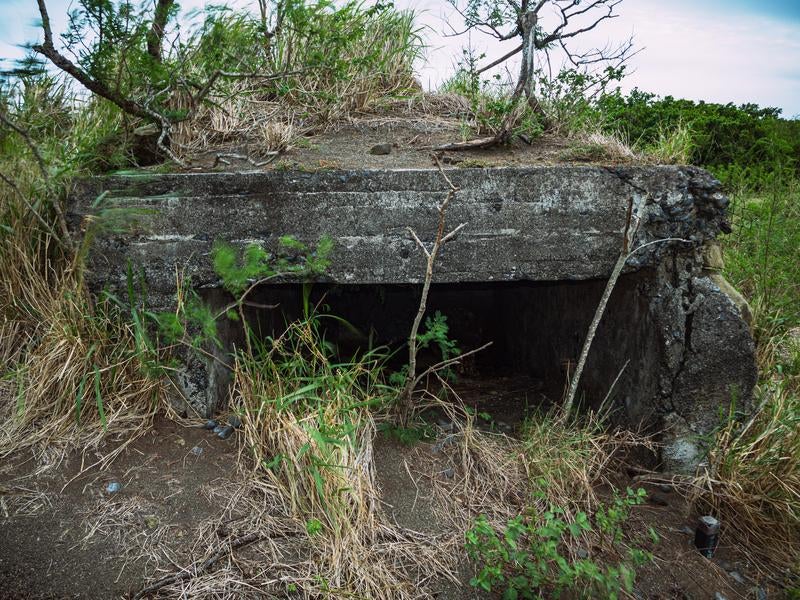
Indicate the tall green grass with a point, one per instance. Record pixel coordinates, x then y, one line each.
753 480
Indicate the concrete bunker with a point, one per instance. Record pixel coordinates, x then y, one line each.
526 272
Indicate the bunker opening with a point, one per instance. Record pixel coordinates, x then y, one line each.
536 331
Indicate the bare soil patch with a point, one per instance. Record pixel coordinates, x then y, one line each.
388 141
65 536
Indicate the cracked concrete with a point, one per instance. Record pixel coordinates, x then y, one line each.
681 328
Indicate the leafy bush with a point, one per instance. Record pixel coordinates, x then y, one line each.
722 134
528 559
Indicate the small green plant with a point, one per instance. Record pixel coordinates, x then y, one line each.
436 333
408 435
527 559
313 527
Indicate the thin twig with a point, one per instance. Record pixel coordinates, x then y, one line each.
441 238
189 573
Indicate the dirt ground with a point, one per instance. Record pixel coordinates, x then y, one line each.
393 139
64 535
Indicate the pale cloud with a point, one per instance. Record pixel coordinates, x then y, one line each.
689 49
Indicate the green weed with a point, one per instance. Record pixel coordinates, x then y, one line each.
526 559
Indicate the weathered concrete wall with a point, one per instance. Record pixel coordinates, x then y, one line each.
685 338
537 223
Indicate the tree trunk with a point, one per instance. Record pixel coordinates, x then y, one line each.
155 36
526 84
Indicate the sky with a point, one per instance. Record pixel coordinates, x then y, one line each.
715 50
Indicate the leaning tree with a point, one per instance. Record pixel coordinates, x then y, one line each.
541 27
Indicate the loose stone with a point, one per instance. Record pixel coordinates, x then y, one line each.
113 487
737 577
381 149
226 432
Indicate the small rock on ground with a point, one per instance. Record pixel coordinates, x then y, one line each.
737 577
226 432
381 149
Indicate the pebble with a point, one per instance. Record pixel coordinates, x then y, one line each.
381 149
235 422
582 553
226 432
504 427
445 424
737 577
217 429
151 522
113 487
449 473
760 593
210 424
718 596
197 450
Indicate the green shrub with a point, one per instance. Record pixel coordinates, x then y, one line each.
528 559
721 134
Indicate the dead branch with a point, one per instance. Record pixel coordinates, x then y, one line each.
201 568
406 404
529 29
221 158
29 141
48 50
448 363
631 227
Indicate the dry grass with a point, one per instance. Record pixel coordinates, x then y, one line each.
22 500
554 463
72 369
753 479
307 445
133 528
368 57
596 146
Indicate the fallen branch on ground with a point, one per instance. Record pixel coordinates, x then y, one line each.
245 540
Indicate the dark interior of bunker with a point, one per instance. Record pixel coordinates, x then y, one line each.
536 331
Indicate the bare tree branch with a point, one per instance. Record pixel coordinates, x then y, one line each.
631 227
406 402
48 50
